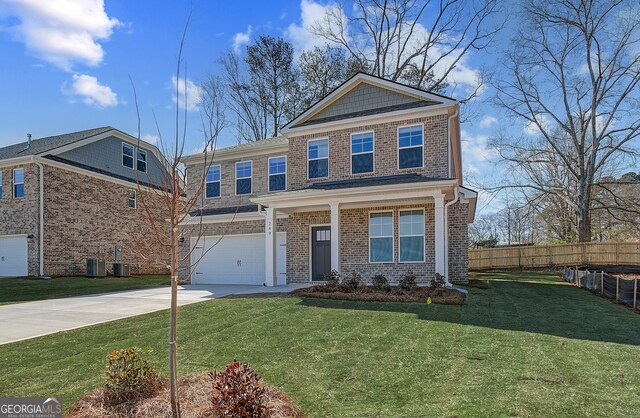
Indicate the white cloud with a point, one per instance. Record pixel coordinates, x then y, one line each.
531 128
91 91
193 97
240 39
488 121
300 34
476 153
61 32
150 139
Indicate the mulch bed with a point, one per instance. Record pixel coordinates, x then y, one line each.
372 294
195 402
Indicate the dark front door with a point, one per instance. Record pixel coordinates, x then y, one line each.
320 252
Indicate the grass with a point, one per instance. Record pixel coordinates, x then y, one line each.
26 290
527 346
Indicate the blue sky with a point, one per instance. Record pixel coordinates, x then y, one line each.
66 63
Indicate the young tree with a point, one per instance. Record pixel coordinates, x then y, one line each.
573 75
419 42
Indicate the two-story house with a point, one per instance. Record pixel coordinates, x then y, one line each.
367 180
75 196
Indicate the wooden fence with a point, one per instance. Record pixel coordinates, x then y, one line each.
586 254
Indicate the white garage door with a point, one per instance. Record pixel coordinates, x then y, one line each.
235 259
13 256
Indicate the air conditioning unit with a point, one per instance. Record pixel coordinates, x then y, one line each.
96 268
121 270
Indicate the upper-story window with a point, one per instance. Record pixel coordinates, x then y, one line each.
212 182
410 147
362 153
142 160
277 174
18 182
127 155
411 235
318 158
244 171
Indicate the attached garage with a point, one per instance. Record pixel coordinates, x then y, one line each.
235 259
13 256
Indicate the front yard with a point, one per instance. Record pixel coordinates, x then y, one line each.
26 290
527 346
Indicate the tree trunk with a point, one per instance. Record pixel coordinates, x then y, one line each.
173 363
583 212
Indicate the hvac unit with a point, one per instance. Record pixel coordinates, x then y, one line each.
96 268
121 270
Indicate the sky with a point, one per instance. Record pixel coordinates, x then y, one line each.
70 65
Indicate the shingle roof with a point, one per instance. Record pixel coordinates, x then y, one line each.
224 211
374 181
43 145
393 108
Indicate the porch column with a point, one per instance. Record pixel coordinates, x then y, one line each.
440 232
271 272
335 236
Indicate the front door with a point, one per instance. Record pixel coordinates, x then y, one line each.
320 252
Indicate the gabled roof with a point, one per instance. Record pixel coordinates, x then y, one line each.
414 99
49 143
240 151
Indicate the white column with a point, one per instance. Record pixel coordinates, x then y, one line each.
440 232
271 272
335 236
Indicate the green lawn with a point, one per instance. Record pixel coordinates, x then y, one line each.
529 346
25 290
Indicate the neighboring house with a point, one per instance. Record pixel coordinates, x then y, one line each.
367 180
70 197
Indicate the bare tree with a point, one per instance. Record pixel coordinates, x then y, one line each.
420 42
166 206
573 74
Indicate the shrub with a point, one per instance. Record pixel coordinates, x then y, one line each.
351 283
408 281
386 288
379 280
128 374
332 278
238 392
438 282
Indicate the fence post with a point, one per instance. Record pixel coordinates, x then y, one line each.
617 288
635 294
602 283
617 252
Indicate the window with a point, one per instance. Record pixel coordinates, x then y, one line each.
411 235
18 182
381 237
410 147
243 177
318 157
277 174
132 198
212 182
362 153
127 155
142 160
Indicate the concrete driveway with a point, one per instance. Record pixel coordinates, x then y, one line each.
22 321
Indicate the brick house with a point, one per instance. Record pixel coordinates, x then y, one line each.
367 180
70 197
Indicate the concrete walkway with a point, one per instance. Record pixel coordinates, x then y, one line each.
21 321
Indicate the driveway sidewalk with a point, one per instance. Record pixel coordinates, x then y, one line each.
22 321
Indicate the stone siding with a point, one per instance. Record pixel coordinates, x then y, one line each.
435 140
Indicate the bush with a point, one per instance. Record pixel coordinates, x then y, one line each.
438 282
238 392
332 278
386 288
128 374
379 280
351 283
408 281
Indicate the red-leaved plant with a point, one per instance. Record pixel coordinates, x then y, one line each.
238 392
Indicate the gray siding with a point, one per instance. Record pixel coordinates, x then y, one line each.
106 154
364 97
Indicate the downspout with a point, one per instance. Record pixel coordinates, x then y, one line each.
41 224
456 197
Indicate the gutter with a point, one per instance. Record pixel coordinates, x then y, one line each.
41 223
456 198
